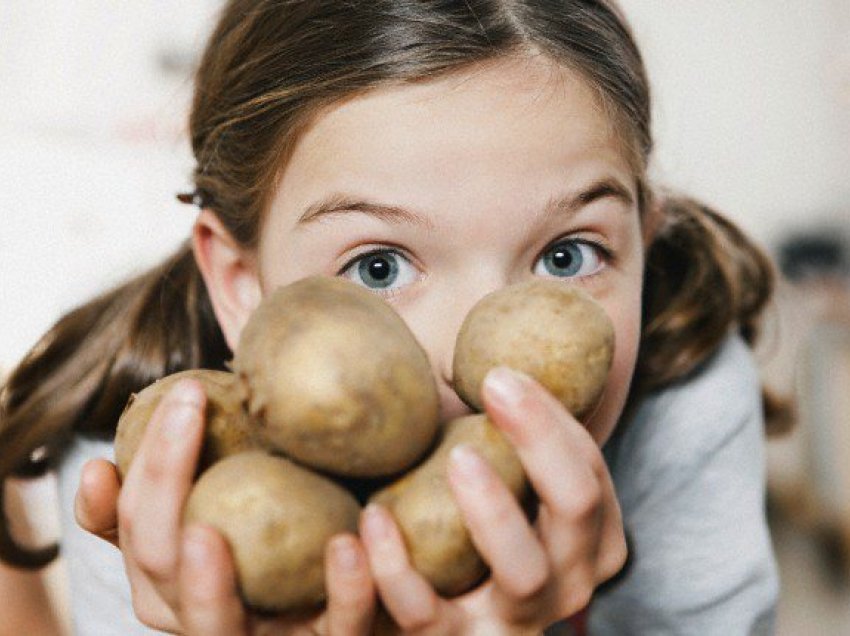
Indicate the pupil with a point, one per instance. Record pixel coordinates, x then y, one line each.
562 259
379 269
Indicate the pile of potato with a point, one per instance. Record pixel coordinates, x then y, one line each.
332 403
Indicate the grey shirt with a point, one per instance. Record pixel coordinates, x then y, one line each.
689 470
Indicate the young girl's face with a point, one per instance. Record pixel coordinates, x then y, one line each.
436 194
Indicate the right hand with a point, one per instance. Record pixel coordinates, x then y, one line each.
183 579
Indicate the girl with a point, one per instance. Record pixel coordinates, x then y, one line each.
432 151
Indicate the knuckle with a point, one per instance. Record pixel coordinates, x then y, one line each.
159 566
502 512
580 596
154 466
390 572
352 601
582 505
614 561
418 622
146 615
530 583
596 461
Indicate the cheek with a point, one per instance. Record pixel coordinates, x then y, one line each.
627 332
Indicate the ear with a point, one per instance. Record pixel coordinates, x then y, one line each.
230 273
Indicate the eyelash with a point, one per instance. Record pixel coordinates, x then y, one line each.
371 252
375 251
606 254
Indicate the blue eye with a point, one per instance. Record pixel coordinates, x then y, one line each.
570 258
381 270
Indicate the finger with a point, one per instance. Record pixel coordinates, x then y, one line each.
406 595
210 604
96 502
498 526
562 461
566 468
613 548
159 479
148 605
351 593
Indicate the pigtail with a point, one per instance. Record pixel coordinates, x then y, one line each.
78 377
703 278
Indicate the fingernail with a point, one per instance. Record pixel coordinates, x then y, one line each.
505 385
177 421
376 525
468 464
345 554
81 508
187 392
184 402
82 503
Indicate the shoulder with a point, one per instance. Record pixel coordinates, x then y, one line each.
689 474
689 421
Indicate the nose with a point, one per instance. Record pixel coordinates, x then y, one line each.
441 322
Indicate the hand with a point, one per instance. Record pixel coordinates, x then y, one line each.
183 579
540 573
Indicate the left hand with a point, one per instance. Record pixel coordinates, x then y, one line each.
540 573
183 579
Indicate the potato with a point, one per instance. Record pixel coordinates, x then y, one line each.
277 518
430 520
229 428
338 380
554 332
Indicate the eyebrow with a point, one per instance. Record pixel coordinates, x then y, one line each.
605 187
557 206
341 203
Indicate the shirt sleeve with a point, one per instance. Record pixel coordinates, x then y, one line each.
689 471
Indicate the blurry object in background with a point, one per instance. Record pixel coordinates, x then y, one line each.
809 469
819 256
84 69
93 147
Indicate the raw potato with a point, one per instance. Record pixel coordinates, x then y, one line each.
328 374
424 506
338 380
277 518
551 331
229 428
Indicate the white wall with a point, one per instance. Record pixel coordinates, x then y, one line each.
92 150
752 112
753 106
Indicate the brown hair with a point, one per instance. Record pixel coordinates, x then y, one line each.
702 278
268 69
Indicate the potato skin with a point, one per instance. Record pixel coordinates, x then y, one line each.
338 380
430 520
229 428
277 518
554 332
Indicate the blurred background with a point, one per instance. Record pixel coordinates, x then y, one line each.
752 106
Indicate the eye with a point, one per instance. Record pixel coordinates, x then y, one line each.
570 258
380 270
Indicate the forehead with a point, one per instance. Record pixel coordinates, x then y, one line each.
507 126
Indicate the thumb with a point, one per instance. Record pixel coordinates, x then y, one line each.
96 502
